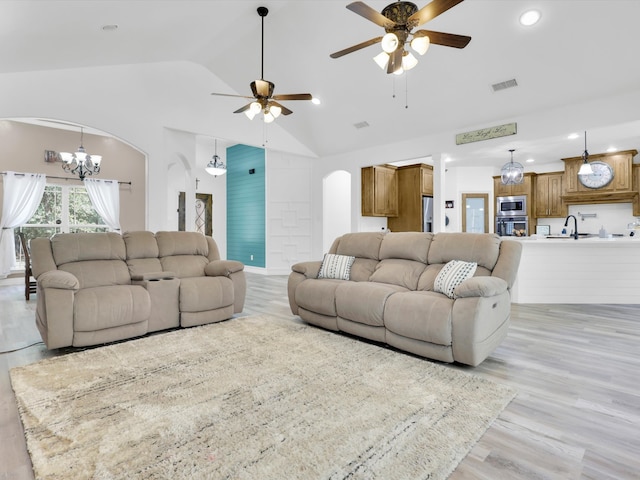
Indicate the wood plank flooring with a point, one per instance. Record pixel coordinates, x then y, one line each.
576 368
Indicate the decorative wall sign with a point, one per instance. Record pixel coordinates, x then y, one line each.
487 133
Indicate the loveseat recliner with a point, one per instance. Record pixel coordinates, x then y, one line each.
399 292
96 288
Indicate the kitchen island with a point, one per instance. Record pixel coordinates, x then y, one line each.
587 270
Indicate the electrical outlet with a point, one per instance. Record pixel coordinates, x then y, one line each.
251 257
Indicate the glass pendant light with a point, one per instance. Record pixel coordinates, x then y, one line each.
512 172
585 168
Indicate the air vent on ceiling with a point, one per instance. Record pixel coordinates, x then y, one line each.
361 124
504 85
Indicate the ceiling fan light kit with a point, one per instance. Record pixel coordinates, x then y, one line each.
263 98
398 20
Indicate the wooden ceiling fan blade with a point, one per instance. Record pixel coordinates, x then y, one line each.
445 39
285 110
395 60
230 95
293 96
243 109
370 14
357 47
431 11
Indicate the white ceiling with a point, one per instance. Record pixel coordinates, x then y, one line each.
578 52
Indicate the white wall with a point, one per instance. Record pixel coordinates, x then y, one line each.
337 207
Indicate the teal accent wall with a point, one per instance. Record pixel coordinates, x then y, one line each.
246 205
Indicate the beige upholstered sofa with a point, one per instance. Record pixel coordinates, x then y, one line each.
101 287
390 295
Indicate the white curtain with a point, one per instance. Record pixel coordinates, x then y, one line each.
105 198
21 197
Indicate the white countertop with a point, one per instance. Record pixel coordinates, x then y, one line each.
581 240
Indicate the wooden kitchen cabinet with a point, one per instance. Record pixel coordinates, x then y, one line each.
414 181
379 191
621 162
524 188
548 196
635 182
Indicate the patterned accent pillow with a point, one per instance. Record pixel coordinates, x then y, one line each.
336 266
453 274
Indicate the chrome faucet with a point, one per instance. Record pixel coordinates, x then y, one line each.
575 223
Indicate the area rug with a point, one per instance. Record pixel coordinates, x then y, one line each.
250 398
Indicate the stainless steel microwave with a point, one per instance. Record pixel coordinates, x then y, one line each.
511 206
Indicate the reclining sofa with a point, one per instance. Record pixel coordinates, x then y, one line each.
95 288
408 290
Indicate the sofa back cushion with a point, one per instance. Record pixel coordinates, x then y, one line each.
78 247
142 253
365 246
181 243
98 273
481 248
406 245
398 271
183 253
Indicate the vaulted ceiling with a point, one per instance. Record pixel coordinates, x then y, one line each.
580 51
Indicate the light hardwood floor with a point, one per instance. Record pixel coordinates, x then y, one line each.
576 368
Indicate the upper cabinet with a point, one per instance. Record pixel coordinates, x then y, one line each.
548 196
414 181
379 191
620 188
524 188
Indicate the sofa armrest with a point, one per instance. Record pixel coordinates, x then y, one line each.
59 279
223 268
308 269
480 287
153 276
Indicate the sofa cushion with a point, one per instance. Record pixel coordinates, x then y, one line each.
364 302
336 266
453 274
181 243
98 273
78 247
318 295
199 294
404 273
185 265
141 244
113 306
481 248
406 245
362 269
419 315
360 244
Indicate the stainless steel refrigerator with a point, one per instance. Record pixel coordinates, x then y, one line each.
427 214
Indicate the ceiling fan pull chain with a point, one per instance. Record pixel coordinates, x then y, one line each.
406 89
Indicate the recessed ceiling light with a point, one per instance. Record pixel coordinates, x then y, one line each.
573 136
530 17
110 28
315 101
612 149
530 160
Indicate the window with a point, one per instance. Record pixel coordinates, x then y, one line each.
63 209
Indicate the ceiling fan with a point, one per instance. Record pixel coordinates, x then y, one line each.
263 98
398 20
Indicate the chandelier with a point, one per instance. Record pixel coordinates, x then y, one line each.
215 166
80 162
512 172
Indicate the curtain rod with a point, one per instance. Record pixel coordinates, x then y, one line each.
66 178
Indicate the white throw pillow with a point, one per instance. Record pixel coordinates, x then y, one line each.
336 266
453 274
